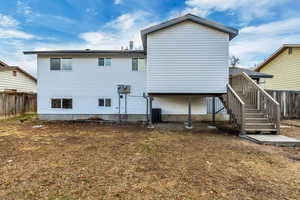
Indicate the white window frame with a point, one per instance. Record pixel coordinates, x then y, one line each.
104 106
61 103
138 64
105 61
61 65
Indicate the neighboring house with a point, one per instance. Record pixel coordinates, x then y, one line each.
184 61
284 65
15 79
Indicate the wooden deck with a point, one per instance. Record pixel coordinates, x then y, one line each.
250 107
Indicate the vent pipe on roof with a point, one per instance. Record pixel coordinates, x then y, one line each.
131 45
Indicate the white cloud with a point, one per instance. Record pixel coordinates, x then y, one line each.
247 10
118 1
257 42
10 33
7 21
118 32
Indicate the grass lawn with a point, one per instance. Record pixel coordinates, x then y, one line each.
65 161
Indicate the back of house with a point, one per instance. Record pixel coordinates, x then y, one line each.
184 61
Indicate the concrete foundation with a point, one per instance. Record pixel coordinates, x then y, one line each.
131 117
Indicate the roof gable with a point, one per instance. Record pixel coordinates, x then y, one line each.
275 54
189 17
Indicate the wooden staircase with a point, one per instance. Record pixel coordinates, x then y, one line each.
250 107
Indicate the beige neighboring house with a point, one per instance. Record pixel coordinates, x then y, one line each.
284 65
13 78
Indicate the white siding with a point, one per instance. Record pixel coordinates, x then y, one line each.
187 58
21 82
87 82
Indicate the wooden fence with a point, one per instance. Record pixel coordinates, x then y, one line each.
289 103
14 104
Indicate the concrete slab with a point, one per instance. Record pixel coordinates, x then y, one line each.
278 140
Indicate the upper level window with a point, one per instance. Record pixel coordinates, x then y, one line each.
138 64
290 50
65 103
104 62
60 64
14 73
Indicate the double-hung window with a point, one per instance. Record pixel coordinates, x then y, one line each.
104 62
65 103
104 102
60 64
138 64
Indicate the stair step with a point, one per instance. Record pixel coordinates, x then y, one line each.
255 115
260 130
259 126
249 106
252 111
260 120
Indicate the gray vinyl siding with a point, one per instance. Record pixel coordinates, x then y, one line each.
187 58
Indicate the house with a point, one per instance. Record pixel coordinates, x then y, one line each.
183 57
15 79
284 66
184 62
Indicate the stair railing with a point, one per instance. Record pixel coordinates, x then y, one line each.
253 94
236 108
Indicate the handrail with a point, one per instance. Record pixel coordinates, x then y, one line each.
235 94
236 108
251 92
260 88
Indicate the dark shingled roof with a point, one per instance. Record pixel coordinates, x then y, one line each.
249 72
199 20
90 52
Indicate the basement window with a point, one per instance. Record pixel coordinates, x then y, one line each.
290 50
104 102
65 103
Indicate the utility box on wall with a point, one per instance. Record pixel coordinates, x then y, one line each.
123 89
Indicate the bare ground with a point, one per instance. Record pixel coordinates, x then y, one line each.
68 161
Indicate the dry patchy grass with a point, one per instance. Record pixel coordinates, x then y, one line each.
66 161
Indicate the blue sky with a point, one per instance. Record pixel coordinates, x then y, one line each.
109 24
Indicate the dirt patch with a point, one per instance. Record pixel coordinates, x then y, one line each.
67 160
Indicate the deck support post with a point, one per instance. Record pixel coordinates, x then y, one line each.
214 110
189 122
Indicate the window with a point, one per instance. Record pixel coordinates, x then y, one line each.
290 50
107 102
55 103
138 64
14 73
104 62
134 64
104 102
65 103
66 64
57 64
